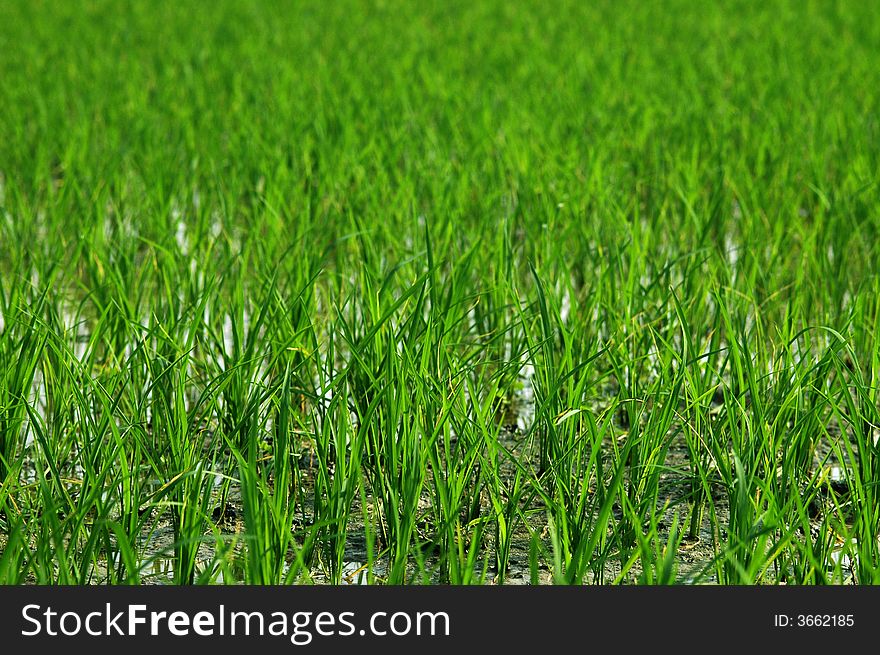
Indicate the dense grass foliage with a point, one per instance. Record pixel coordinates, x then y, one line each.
454 292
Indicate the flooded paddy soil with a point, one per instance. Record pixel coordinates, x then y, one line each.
695 553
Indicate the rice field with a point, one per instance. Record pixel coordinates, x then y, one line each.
439 293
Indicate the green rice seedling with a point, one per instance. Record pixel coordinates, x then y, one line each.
646 446
747 536
858 416
22 347
397 452
456 480
398 436
339 447
13 568
508 496
267 510
580 506
178 452
656 555
508 493
700 386
811 549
